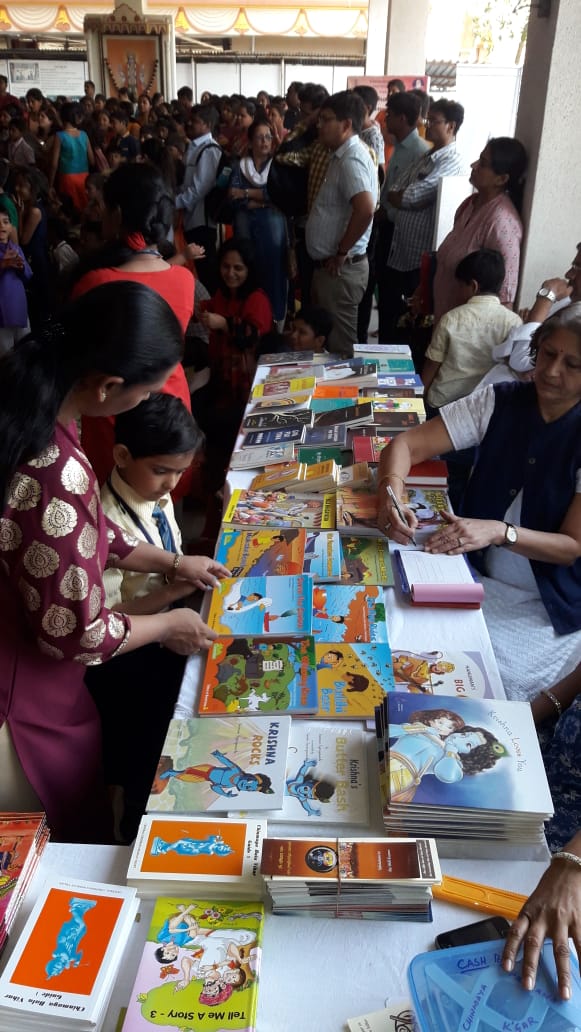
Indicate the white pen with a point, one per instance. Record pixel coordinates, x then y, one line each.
399 511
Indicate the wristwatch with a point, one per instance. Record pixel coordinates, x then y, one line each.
547 293
510 535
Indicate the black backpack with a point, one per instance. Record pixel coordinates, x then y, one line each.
288 184
217 207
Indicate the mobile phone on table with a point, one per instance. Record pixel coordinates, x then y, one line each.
479 931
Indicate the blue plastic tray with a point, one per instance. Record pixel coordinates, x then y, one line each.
465 990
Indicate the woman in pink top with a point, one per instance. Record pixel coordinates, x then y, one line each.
489 218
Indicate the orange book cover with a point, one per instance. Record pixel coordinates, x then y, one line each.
357 859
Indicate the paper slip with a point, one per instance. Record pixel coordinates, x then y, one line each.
397 1017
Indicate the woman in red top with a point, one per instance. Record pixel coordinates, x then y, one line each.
237 316
139 213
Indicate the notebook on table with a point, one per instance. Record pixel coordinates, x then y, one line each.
438 580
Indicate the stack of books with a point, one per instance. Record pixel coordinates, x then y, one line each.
23 837
200 967
214 857
61 973
468 770
382 879
278 509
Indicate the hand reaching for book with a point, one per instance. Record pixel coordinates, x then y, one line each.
553 911
201 571
187 633
464 535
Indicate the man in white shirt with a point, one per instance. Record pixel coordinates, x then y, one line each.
201 167
339 223
552 295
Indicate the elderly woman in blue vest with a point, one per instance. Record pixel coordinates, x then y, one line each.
521 519
257 220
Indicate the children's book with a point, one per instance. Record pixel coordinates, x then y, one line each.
441 672
428 503
278 509
279 607
284 388
345 612
357 512
23 837
294 403
274 420
208 855
250 675
326 776
323 555
200 967
220 764
254 458
366 561
353 415
438 580
62 970
320 437
285 435
261 553
368 449
352 679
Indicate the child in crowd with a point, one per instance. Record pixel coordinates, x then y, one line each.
136 692
14 271
96 207
125 142
311 328
461 349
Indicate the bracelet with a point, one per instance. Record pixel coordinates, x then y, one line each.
556 703
171 576
386 476
563 855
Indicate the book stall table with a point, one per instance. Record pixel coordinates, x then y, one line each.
315 972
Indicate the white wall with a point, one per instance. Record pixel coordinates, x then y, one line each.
248 77
489 96
255 77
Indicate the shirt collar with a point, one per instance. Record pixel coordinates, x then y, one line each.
484 299
437 155
409 139
199 140
140 506
350 142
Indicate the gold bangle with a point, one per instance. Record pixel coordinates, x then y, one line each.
386 476
171 576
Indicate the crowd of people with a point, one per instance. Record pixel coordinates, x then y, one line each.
155 249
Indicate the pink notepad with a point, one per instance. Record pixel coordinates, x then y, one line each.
438 580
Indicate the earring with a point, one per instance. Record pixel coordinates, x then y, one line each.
103 395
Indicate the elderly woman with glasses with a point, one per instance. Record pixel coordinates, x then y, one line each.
257 220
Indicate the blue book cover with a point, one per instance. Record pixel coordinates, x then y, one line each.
286 435
262 606
348 612
323 556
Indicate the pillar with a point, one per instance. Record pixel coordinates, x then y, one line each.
376 48
407 24
548 125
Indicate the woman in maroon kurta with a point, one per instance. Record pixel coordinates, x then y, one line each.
115 345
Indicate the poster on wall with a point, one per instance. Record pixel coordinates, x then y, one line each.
132 62
51 77
379 83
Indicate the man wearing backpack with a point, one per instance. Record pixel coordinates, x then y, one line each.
201 167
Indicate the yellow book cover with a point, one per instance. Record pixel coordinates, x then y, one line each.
284 388
284 475
352 679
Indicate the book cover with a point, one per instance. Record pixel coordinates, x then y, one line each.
330 404
395 420
323 555
390 364
356 477
254 458
175 848
294 403
368 449
310 456
300 369
345 612
427 503
495 764
326 777
285 435
357 512
280 476
400 860
352 679
220 764
442 672
199 969
383 403
250 675
318 476
355 372
284 388
65 959
352 415
320 437
366 561
382 350
431 473
261 606
261 553
22 840
403 379
290 357
336 390
279 509
275 420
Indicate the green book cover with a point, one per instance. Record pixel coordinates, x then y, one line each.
312 455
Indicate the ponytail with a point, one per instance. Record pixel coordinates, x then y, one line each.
120 329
